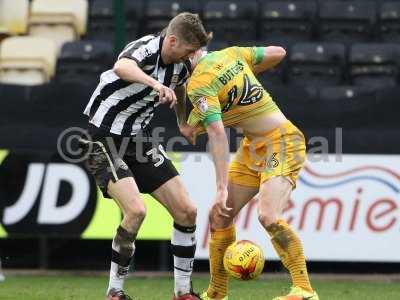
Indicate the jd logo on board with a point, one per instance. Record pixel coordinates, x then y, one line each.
44 195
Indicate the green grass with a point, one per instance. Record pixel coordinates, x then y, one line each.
78 287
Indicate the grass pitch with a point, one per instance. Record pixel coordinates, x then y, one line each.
84 287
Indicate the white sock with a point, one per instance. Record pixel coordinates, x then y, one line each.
2 278
123 248
183 248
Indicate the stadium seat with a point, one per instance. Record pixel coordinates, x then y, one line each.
231 20
101 22
61 20
19 66
273 76
14 16
389 21
159 12
287 21
101 25
375 65
346 105
347 21
318 64
83 61
297 103
388 107
133 18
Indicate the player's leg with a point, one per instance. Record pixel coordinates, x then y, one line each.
116 181
222 235
287 158
126 194
2 277
242 187
273 198
174 196
159 177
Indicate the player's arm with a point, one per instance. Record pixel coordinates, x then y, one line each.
180 106
128 70
207 112
267 58
180 111
219 149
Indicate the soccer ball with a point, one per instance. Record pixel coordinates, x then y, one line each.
244 260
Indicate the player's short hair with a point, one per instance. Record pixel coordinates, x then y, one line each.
189 28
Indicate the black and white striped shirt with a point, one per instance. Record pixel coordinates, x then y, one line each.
124 108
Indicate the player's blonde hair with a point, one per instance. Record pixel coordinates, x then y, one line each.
189 28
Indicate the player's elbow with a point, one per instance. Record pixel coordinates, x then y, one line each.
124 66
119 69
275 53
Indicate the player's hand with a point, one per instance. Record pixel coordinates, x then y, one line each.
188 132
219 206
165 94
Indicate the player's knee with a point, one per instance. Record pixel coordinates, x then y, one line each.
267 218
191 214
135 213
187 215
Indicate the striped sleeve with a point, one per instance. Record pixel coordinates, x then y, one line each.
143 51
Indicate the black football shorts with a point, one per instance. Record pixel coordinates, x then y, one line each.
112 157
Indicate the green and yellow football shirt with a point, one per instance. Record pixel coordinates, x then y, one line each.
223 87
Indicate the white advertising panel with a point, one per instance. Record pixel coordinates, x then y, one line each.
346 210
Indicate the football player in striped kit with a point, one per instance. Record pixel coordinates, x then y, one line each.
150 71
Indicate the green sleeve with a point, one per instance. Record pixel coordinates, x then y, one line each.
212 118
259 55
